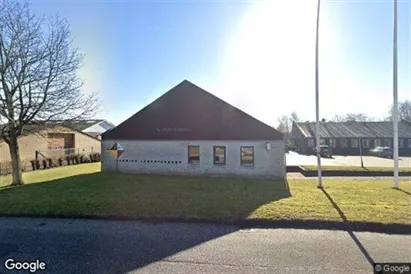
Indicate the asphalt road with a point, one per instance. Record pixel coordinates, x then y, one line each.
295 159
87 246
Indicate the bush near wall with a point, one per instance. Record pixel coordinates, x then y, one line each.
6 167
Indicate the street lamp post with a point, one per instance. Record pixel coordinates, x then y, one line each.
317 108
395 95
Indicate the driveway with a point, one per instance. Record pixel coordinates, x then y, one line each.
91 246
295 159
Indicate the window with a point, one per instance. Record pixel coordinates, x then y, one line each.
387 142
343 143
219 155
409 143
194 155
332 142
377 143
354 143
247 156
322 142
366 143
310 142
401 143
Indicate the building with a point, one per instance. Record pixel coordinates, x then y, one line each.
345 138
94 128
190 131
55 139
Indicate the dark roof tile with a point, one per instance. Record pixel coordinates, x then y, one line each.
187 112
355 129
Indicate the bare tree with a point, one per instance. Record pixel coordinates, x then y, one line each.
404 110
352 117
285 122
294 117
38 76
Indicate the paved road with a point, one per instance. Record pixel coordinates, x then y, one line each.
86 246
295 159
298 175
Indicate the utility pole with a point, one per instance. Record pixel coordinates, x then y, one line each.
360 146
395 95
317 101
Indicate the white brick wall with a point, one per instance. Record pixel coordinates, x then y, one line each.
267 163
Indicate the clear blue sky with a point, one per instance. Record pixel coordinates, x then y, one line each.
257 55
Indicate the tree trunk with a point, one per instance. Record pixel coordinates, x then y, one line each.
15 163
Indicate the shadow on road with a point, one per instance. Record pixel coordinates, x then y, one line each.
139 197
349 230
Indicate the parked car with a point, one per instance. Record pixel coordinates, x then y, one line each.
385 152
325 151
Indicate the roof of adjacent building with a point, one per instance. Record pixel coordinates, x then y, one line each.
188 112
355 129
80 126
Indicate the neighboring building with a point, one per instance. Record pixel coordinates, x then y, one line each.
92 127
190 131
58 139
345 138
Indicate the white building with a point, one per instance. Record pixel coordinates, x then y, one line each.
190 131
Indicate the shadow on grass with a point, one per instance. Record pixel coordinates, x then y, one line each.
349 230
149 198
404 191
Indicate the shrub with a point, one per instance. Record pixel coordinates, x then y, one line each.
95 157
82 158
60 161
33 164
51 164
98 157
68 160
5 168
76 159
37 164
44 164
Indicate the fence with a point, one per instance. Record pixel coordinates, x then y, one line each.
64 152
52 158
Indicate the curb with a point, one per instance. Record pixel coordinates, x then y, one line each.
402 229
342 173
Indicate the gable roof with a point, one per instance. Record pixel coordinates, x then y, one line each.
34 129
187 112
355 129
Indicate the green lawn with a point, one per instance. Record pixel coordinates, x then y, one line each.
356 168
86 191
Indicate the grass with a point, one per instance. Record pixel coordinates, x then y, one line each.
53 174
83 190
357 168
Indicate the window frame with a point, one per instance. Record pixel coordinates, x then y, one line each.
401 143
311 142
377 141
387 141
367 141
332 143
241 156
344 142
188 155
354 141
214 155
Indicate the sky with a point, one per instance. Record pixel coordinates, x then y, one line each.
256 55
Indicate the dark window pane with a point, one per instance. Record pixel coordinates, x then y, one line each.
194 155
247 155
